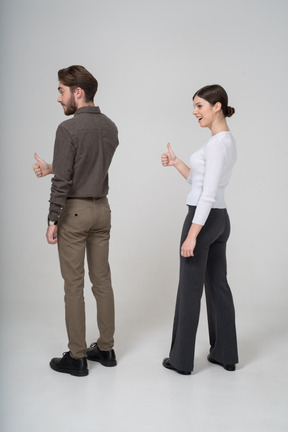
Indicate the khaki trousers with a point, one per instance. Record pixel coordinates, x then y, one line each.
84 226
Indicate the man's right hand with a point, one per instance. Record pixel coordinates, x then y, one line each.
41 168
51 234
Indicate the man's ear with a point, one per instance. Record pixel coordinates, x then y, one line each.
79 93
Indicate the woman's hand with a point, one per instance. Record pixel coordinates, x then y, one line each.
187 248
169 158
41 168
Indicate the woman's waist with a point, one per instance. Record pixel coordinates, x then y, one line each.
193 199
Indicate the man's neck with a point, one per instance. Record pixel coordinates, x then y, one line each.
85 104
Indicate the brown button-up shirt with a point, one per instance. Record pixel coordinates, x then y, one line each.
83 151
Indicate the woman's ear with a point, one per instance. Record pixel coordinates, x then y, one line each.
217 107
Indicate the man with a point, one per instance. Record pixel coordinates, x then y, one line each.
79 216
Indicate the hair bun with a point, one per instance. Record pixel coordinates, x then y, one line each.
230 111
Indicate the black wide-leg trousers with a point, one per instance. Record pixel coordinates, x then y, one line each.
206 268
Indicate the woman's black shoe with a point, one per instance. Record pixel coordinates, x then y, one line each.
228 367
166 363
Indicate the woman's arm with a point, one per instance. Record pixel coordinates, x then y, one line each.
42 168
170 159
215 156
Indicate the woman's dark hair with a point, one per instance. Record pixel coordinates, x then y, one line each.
77 76
213 94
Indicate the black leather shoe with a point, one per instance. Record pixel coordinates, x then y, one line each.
166 363
106 358
228 367
66 364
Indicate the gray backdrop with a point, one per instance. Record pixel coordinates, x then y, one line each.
149 58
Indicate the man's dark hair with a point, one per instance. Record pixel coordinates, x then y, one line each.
77 76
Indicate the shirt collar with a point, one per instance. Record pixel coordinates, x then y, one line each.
88 109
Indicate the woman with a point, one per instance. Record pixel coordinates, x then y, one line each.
203 243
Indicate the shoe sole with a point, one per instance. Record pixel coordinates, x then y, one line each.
70 372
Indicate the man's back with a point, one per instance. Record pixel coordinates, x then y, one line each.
84 147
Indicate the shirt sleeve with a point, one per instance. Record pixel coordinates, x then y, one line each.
189 178
215 160
63 162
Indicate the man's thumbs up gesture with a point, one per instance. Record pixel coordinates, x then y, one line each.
41 168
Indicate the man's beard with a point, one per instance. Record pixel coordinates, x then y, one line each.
71 106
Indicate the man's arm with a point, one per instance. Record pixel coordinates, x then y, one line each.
63 164
42 168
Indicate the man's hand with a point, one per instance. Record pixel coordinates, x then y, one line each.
41 168
51 234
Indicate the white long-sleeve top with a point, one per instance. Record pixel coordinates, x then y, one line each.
211 168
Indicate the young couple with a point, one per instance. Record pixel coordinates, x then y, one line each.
79 221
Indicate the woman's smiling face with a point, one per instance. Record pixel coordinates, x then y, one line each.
204 112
